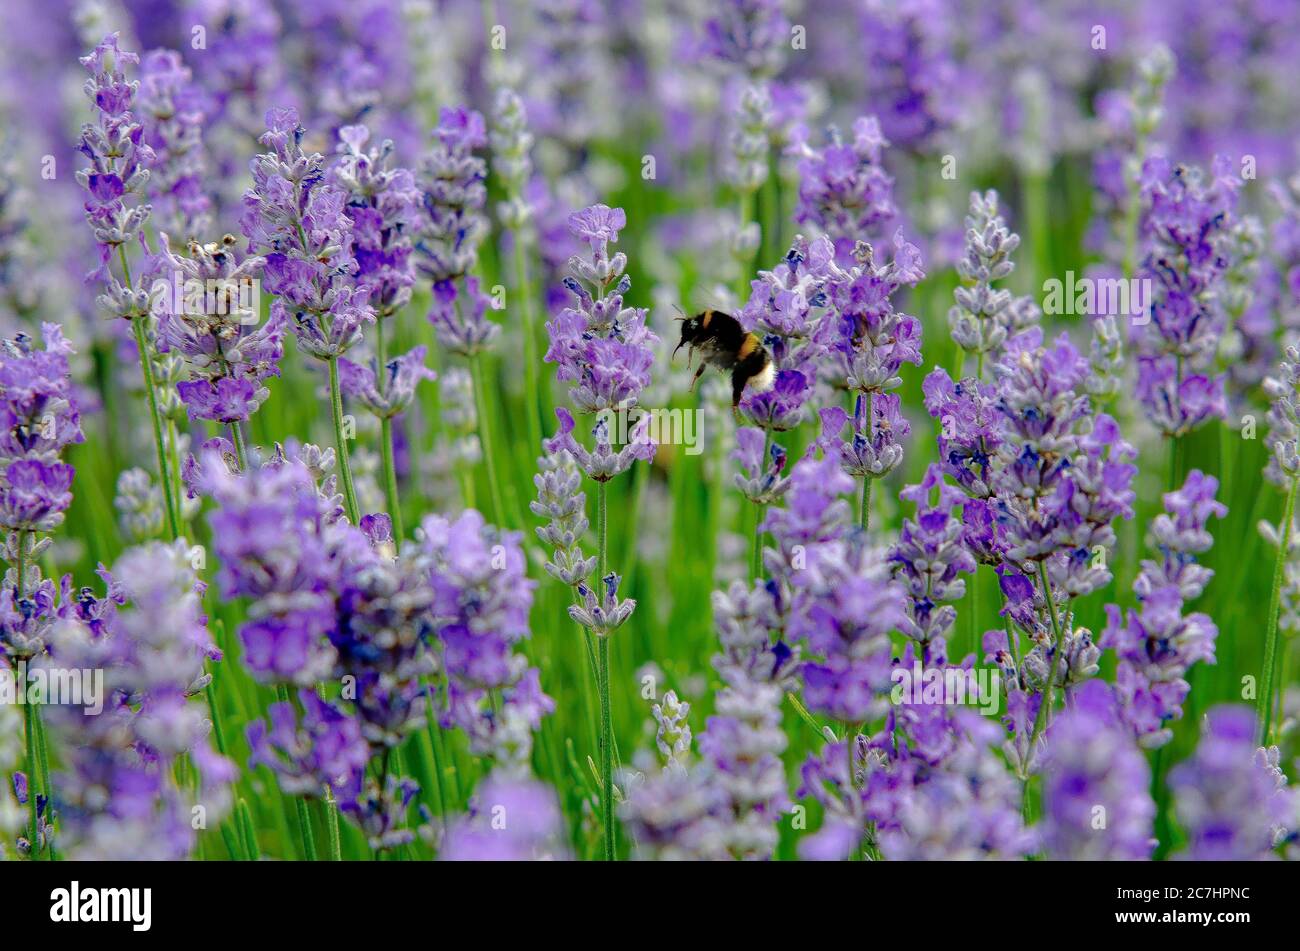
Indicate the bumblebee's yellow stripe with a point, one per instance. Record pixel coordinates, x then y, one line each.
707 316
749 345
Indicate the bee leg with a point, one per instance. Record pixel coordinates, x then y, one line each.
698 373
737 387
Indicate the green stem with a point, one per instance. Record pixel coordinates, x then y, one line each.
390 477
300 805
602 654
1264 701
332 825
1036 214
247 831
532 391
33 771
174 460
241 450
1049 689
164 473
864 511
21 567
864 504
340 444
391 499
744 213
485 433
756 555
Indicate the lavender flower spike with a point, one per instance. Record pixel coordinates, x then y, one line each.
1283 468
207 316
1158 643
984 316
1227 799
1092 763
297 219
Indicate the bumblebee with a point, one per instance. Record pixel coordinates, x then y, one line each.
724 344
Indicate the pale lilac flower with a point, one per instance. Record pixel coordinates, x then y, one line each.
1228 801
1158 643
1097 786
510 820
297 221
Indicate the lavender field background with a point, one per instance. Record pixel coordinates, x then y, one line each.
407 538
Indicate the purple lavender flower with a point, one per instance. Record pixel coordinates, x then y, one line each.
868 340
928 561
605 614
984 316
282 543
38 409
1228 801
605 348
11 745
239 75
140 505
391 391
872 450
571 100
511 144
384 205
780 407
748 35
760 478
1158 643
911 70
119 166
676 815
452 181
672 730
1284 422
38 420
561 501
604 463
744 741
844 190
481 599
325 749
379 811
171 107
748 160
783 301
458 313
1097 786
831 597
511 820
1043 412
1186 225
970 429
206 307
36 495
383 639
297 220
117 795
1096 492
928 786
